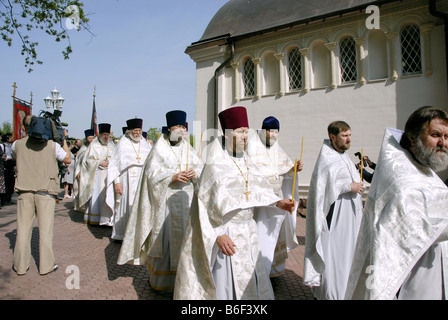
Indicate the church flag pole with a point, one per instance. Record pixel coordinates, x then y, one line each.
93 124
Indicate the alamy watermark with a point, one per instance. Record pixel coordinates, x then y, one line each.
73 280
73 21
373 20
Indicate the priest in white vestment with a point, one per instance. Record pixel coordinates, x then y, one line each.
220 257
93 178
333 217
402 246
89 135
123 174
161 207
276 228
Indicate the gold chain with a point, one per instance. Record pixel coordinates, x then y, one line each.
181 154
137 153
246 192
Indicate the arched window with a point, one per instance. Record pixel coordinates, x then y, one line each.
295 69
411 56
377 54
249 78
347 60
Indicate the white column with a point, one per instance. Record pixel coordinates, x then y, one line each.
281 73
304 53
331 47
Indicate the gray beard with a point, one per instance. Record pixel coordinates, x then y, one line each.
134 138
431 157
102 141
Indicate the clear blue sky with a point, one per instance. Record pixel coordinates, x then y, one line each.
135 59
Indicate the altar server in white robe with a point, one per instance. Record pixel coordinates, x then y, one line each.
334 213
276 228
402 246
123 174
220 256
161 207
89 135
93 178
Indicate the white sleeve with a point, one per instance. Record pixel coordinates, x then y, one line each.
13 150
60 153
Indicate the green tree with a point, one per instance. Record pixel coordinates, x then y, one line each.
18 18
154 133
6 127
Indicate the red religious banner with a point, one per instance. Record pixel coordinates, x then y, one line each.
21 110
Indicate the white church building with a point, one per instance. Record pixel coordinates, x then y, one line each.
310 62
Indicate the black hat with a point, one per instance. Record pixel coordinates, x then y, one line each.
134 123
145 134
104 127
124 129
89 133
165 130
271 123
176 118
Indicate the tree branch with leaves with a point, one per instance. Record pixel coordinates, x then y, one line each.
19 18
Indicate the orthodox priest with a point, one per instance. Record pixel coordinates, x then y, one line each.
92 183
161 207
277 167
402 246
220 256
123 174
333 217
89 135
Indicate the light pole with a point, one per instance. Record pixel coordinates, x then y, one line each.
55 102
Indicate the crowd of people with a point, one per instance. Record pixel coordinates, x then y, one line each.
218 222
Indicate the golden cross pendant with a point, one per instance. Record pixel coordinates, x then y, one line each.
138 159
247 192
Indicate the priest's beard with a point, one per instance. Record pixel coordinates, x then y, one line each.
176 136
436 158
270 142
102 141
135 139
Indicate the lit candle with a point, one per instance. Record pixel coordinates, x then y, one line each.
362 162
294 181
188 149
200 143
301 150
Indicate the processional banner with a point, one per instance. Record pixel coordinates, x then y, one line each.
20 111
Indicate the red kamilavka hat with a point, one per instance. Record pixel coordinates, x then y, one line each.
233 118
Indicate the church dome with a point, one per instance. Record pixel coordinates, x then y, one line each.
242 17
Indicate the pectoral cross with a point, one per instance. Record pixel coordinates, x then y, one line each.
138 158
247 192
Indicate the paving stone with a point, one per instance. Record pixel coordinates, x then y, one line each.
89 250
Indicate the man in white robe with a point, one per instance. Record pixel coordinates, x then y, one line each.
89 135
277 167
93 178
161 207
402 246
220 257
123 175
334 213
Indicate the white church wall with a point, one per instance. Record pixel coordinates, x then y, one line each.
385 100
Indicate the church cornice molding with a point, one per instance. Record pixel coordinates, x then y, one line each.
391 18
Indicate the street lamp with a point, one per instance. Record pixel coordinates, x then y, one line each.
55 102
